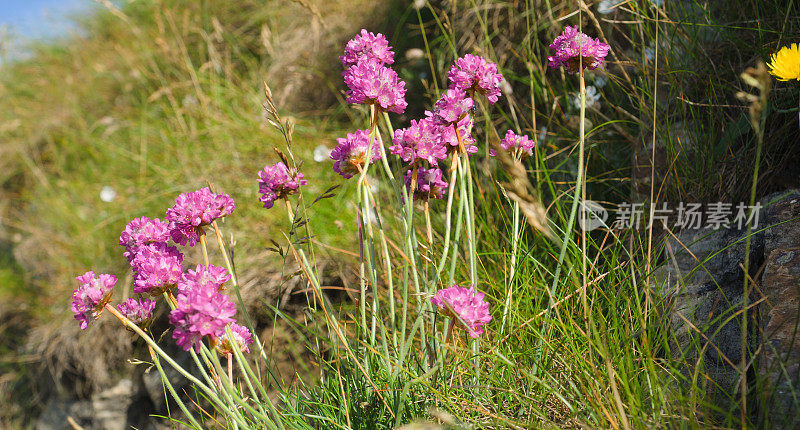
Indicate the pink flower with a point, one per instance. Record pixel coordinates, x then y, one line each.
367 45
351 153
192 211
201 310
519 145
466 306
429 183
450 140
91 296
473 73
370 82
451 107
142 231
207 276
276 182
575 49
422 140
241 338
158 268
140 312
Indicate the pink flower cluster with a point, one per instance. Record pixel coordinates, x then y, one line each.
466 306
370 82
158 268
277 182
422 140
368 79
426 140
207 276
140 312
241 339
192 211
475 74
350 155
91 296
575 50
429 183
452 107
142 231
201 310
450 139
367 45
520 146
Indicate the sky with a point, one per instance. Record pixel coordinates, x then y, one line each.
22 20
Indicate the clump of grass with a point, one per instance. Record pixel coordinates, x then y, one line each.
154 99
591 349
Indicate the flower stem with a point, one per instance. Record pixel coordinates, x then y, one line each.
450 330
512 273
466 183
448 215
150 342
574 209
289 209
230 364
204 245
428 228
171 389
582 178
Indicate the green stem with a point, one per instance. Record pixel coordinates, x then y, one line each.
512 273
150 342
746 287
171 389
578 187
448 217
235 288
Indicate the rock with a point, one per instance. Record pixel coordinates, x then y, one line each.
123 406
154 388
58 411
702 283
779 361
111 406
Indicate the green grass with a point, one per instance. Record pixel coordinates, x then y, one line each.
160 107
152 105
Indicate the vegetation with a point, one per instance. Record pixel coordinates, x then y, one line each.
162 96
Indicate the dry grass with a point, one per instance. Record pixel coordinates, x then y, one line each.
157 99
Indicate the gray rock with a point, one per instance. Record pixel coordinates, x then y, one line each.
153 385
111 406
702 282
58 412
779 361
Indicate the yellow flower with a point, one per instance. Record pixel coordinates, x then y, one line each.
785 64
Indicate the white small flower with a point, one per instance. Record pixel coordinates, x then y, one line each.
189 100
415 54
107 194
321 153
107 121
650 52
592 97
506 87
419 4
542 134
607 6
600 81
